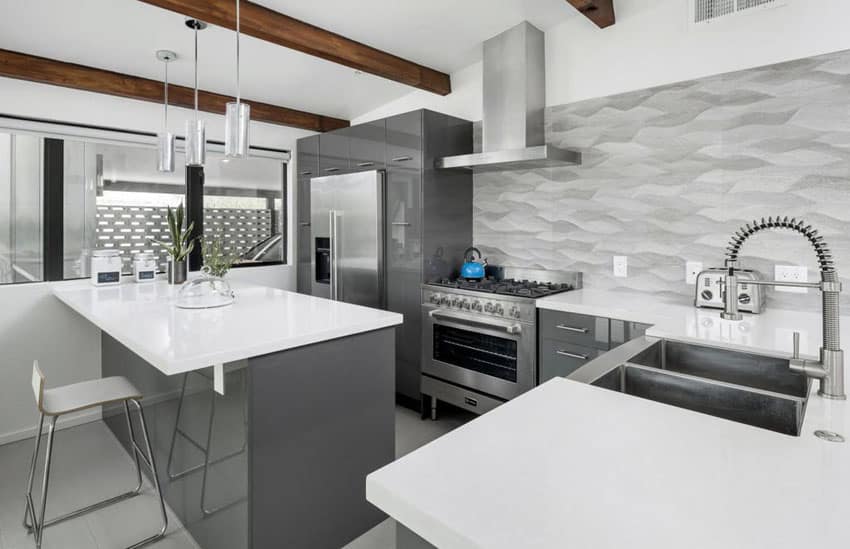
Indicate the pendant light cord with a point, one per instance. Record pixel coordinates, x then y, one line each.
196 71
238 89
165 106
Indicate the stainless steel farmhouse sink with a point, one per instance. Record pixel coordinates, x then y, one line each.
753 389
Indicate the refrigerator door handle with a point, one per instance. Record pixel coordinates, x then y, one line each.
334 274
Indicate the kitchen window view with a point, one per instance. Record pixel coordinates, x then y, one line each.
20 208
114 198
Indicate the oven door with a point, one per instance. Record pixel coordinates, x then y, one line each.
490 355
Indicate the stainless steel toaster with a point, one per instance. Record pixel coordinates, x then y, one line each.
710 287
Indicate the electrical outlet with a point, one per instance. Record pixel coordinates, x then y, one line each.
621 266
791 273
692 269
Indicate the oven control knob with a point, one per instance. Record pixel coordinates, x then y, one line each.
444 300
435 298
514 312
488 308
500 310
476 306
464 304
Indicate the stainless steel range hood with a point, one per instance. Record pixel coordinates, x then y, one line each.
514 101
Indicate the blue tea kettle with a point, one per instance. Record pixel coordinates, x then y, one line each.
473 269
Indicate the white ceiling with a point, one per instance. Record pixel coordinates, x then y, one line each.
122 35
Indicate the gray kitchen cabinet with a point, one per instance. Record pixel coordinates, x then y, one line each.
404 140
427 213
334 152
306 167
568 341
367 146
586 330
559 358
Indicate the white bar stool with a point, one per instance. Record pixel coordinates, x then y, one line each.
72 398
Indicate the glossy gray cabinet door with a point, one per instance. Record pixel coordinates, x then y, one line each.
404 140
404 244
334 152
367 146
307 167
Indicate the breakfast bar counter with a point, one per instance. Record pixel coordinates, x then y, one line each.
266 415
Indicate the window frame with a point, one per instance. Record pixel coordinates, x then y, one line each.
55 133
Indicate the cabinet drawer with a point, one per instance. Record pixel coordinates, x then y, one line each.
590 331
559 359
404 140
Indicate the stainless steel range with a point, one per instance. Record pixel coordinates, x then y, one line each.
480 337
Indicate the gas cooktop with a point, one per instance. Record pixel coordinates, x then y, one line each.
510 286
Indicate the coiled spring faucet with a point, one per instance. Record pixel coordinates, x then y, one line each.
829 370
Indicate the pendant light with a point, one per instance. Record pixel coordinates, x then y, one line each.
165 139
237 116
196 139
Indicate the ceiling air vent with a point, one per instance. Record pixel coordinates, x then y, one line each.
706 11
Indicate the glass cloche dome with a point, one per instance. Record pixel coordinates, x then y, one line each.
205 292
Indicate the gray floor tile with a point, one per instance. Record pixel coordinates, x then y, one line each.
89 464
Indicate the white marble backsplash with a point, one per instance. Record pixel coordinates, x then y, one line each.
669 173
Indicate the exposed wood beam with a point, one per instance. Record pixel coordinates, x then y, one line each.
59 73
271 26
601 12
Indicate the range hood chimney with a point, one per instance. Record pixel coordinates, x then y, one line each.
514 101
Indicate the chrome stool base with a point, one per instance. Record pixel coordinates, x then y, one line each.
36 526
205 449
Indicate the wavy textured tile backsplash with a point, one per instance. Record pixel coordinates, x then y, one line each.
670 172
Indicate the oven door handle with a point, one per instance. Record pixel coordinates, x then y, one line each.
463 319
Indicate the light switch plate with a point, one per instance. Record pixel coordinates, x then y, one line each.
791 273
621 266
692 269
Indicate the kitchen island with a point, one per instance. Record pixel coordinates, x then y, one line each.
265 415
570 465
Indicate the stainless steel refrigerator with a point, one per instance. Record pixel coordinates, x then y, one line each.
347 221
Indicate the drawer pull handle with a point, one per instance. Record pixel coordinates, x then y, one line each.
401 223
572 355
365 164
331 170
307 173
402 158
470 401
572 329
305 223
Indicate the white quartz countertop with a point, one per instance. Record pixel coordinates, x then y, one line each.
262 320
770 332
569 465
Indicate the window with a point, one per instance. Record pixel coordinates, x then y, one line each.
244 206
112 196
21 191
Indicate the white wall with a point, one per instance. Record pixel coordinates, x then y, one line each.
652 44
33 324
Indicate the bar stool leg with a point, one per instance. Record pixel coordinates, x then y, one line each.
208 462
151 462
29 511
135 455
175 476
48 457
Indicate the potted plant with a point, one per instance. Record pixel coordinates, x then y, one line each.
217 261
180 245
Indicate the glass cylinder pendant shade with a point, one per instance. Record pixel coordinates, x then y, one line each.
165 151
196 142
237 119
